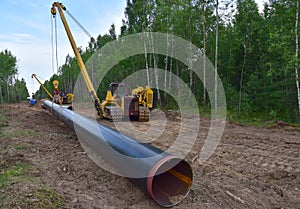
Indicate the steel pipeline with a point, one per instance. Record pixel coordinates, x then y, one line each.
165 177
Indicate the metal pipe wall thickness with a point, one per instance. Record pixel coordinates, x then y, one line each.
165 177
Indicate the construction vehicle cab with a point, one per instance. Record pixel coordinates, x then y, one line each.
118 89
118 104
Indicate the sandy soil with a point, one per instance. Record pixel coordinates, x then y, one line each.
251 168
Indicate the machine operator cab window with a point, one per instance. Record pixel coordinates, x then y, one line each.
118 89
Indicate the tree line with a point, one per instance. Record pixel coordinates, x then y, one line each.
255 54
11 88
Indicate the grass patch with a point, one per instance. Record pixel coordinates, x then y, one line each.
31 193
21 147
263 123
43 197
13 133
2 119
4 180
12 174
6 132
259 119
2 122
38 198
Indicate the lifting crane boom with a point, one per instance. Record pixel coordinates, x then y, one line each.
66 99
42 85
83 70
116 105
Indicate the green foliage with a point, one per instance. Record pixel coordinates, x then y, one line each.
8 63
256 53
11 89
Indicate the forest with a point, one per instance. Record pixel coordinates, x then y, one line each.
11 88
254 52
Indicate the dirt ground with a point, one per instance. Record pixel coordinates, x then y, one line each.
251 168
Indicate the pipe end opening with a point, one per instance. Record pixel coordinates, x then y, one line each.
170 181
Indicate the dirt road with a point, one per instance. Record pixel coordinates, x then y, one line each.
42 165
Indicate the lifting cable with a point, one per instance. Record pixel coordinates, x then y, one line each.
77 22
55 33
96 100
56 45
54 41
44 80
52 44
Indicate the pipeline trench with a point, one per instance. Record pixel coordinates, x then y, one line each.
252 167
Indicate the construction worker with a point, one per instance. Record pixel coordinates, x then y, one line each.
56 96
56 93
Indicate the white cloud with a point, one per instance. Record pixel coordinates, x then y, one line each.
29 37
17 38
34 57
29 23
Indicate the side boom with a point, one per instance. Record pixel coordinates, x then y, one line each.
85 75
42 85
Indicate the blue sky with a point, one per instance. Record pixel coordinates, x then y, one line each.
26 31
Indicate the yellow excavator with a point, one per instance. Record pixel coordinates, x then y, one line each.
118 103
66 99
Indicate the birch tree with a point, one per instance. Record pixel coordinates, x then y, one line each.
297 53
216 56
204 51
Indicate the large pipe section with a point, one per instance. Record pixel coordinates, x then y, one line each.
165 177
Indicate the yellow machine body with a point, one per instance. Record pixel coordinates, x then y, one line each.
117 104
42 85
145 96
60 7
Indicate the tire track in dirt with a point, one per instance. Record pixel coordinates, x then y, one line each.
251 168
